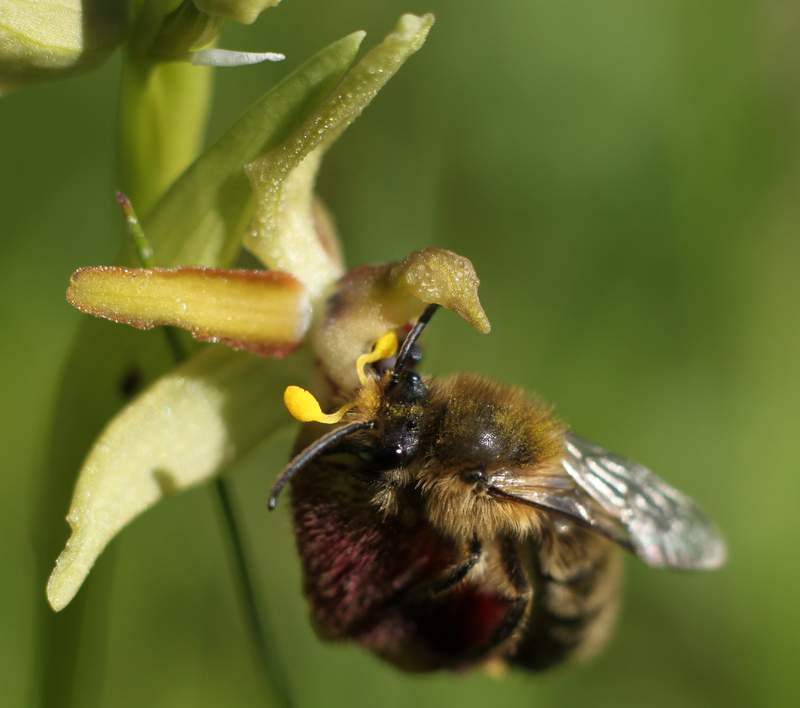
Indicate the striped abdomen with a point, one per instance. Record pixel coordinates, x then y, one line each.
576 577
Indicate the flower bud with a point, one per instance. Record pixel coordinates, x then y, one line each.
50 38
244 11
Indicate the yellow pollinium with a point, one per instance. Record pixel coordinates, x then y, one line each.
385 347
304 407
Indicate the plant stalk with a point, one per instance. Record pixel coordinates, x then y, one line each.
273 670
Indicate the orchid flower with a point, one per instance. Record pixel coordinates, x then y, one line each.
302 320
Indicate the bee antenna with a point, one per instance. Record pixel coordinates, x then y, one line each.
413 336
316 448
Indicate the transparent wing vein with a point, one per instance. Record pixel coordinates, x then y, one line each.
662 525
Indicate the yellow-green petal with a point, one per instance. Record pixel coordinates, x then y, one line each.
283 234
372 300
203 216
264 312
179 432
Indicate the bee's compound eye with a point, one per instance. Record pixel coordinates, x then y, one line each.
473 476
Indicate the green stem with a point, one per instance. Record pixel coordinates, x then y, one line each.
144 252
271 663
162 119
272 669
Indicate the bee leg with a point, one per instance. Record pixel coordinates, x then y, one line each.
514 570
457 574
520 602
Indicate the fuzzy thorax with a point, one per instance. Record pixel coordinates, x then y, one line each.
472 428
436 445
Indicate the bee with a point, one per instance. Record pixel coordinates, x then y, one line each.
449 523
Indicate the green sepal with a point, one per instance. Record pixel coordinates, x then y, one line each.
181 431
283 234
202 217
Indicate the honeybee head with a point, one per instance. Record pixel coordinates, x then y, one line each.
384 405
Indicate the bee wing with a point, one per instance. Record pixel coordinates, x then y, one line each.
624 501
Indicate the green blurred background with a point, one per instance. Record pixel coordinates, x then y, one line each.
624 176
